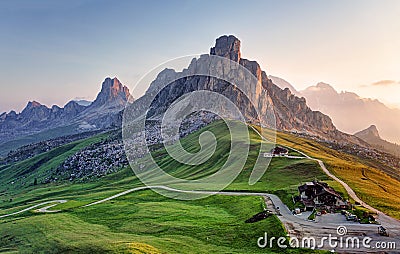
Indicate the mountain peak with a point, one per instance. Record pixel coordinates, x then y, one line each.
371 136
114 83
370 132
320 87
227 46
373 130
113 93
291 112
33 104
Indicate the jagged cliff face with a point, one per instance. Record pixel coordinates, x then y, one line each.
291 112
227 46
112 94
34 111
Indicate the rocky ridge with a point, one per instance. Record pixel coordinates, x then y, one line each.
100 114
291 112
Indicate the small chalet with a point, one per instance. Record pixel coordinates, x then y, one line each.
317 194
276 152
279 151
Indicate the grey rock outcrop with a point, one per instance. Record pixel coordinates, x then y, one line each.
227 46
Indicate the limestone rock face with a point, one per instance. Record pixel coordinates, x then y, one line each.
112 94
369 133
291 112
227 46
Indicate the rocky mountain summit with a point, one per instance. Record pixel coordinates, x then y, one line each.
113 94
36 116
342 106
227 46
369 133
372 137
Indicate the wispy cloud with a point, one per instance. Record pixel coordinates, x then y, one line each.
386 83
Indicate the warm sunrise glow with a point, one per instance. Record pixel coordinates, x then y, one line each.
53 46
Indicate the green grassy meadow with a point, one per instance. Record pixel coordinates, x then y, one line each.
143 221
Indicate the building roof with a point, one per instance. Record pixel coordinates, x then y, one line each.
321 186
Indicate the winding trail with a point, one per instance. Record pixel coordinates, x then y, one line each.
119 195
42 210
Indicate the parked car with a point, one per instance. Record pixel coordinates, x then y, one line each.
382 231
351 217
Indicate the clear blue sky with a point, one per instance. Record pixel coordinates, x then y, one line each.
54 51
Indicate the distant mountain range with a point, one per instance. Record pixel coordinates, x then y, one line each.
74 117
347 105
351 113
